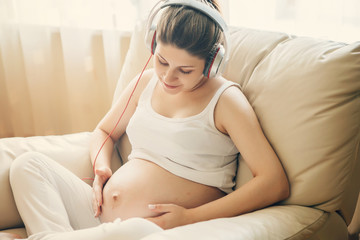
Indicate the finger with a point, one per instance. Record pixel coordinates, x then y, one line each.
97 212
98 196
97 193
157 221
103 172
95 205
100 178
162 208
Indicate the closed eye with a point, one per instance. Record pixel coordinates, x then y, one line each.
162 62
185 72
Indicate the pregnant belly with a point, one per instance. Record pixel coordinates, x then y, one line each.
139 183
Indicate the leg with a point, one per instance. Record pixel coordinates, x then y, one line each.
131 229
53 203
49 197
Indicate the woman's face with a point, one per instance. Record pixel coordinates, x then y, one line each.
177 70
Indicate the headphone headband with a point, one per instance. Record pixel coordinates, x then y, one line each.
203 8
207 10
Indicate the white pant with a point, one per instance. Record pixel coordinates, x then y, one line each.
55 204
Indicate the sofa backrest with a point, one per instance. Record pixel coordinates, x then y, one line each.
305 93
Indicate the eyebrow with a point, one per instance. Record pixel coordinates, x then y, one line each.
179 66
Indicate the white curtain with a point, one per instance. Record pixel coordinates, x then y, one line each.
59 63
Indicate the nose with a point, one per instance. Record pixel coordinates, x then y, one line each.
169 75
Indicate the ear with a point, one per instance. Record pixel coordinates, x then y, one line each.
150 39
214 61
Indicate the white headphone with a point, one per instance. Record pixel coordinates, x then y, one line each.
219 56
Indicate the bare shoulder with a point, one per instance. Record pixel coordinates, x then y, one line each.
138 84
144 79
233 99
128 101
233 107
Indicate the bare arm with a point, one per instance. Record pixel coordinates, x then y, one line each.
106 125
269 184
101 151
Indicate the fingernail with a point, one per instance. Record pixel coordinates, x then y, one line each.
151 206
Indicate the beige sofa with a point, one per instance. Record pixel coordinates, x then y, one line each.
306 94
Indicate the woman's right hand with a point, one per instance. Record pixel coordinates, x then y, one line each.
101 177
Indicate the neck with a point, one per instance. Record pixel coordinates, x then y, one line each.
202 81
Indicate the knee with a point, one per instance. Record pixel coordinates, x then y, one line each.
23 165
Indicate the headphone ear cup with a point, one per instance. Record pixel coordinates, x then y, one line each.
151 39
212 66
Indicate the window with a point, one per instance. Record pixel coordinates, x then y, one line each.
330 19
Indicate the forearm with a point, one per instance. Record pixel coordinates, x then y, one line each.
103 157
256 194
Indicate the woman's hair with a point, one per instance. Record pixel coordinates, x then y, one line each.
189 29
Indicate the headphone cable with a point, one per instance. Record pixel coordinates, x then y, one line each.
118 121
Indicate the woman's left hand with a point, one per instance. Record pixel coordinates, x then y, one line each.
170 215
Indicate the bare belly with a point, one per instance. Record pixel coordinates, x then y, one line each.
139 183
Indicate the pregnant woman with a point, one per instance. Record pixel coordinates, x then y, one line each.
186 125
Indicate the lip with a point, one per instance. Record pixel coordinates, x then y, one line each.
169 86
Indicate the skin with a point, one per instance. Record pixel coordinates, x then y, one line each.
9 236
181 84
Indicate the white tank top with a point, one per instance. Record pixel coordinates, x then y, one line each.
190 147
